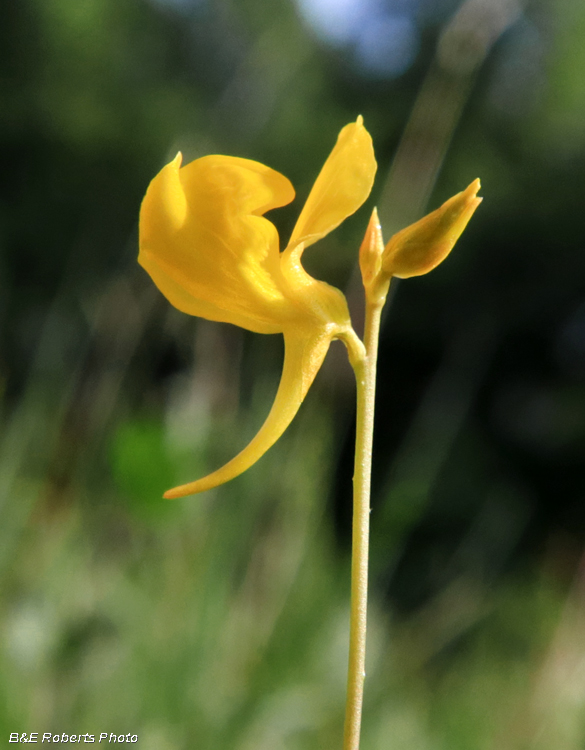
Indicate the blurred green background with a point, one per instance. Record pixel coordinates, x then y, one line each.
220 622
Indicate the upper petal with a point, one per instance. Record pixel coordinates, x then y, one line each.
342 186
206 245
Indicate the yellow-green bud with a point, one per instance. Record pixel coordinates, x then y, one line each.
371 250
419 248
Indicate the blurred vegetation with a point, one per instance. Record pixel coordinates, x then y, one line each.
221 621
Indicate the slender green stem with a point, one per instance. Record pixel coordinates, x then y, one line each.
365 372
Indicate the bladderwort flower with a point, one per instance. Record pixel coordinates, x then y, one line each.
209 249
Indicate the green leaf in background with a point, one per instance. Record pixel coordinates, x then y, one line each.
142 467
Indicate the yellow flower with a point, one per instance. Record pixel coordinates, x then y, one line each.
208 248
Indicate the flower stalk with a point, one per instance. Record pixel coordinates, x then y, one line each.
376 288
365 373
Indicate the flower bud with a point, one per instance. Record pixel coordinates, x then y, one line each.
371 250
419 248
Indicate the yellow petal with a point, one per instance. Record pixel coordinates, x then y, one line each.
302 359
208 249
419 248
342 186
